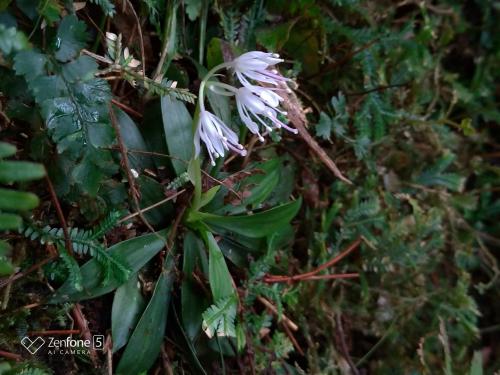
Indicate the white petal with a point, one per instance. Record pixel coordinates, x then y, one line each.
271 98
111 36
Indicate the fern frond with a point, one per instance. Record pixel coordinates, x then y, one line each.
159 88
365 209
220 318
178 181
105 225
83 242
72 266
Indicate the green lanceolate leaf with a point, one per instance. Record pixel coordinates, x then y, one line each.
177 123
128 305
17 201
193 300
132 138
6 267
153 192
221 283
18 171
145 343
257 225
476 366
208 195
7 149
10 221
135 253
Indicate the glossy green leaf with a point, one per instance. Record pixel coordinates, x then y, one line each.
10 221
17 171
152 192
88 177
7 149
262 189
11 40
214 53
6 267
193 8
186 345
476 366
30 63
145 343
128 305
17 201
132 138
273 38
178 126
221 283
257 225
154 134
219 104
208 195
135 253
71 38
193 300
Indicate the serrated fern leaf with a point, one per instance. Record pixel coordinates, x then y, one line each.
84 242
365 209
178 181
73 269
108 223
436 175
220 318
159 88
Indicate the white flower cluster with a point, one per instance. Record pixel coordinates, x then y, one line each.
257 106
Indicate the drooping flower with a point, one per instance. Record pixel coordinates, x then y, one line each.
254 65
258 104
216 135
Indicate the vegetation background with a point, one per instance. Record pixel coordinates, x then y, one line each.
403 96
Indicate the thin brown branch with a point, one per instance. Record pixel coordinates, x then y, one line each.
343 345
336 259
126 108
141 39
292 339
163 201
272 279
131 151
128 170
60 214
21 274
9 355
298 119
84 330
313 275
377 89
286 320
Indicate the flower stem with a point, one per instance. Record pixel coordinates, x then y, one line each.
211 72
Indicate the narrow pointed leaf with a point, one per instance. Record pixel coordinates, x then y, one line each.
128 305
145 343
135 253
257 225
